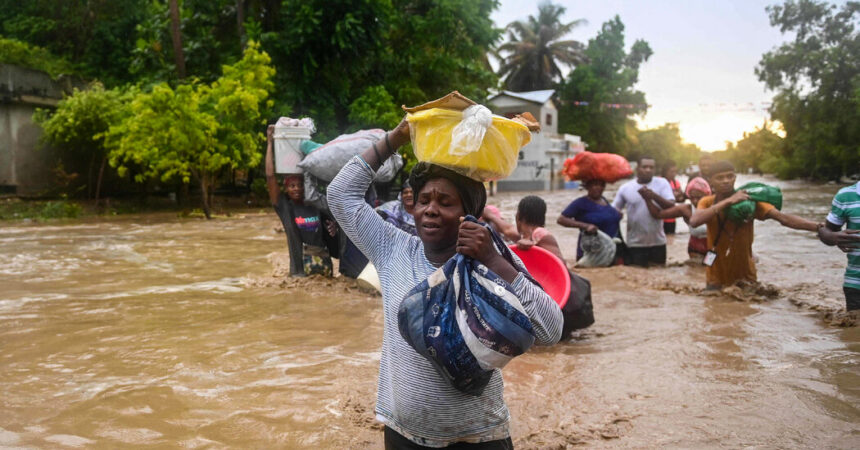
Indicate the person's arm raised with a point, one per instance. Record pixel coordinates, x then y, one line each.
271 181
703 216
791 221
379 152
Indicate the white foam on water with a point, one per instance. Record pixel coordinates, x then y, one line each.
69 440
8 437
222 286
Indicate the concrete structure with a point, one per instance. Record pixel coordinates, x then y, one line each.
543 157
25 165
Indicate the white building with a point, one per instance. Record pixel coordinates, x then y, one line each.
541 160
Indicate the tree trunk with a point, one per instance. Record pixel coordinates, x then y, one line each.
99 180
204 187
240 22
90 176
176 35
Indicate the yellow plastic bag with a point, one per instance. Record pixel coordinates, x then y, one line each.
437 139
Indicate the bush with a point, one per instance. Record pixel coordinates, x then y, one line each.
26 55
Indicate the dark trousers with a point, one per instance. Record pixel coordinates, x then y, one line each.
645 256
852 298
669 227
395 441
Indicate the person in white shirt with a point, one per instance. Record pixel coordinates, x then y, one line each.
646 240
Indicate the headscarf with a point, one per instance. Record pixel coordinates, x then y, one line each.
698 184
472 193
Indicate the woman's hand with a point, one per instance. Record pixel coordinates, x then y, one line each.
270 131
399 135
590 229
475 241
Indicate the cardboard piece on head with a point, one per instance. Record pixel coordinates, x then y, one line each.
457 101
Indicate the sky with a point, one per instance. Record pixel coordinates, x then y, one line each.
701 74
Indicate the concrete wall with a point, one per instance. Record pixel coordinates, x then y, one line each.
26 165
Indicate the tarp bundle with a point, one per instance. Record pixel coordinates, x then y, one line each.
466 320
758 192
326 161
598 250
608 167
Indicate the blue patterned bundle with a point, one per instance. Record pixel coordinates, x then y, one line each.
466 320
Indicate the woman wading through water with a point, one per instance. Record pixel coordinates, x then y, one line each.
418 407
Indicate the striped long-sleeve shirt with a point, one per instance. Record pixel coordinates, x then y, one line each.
412 398
845 210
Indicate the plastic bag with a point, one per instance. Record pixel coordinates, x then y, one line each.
447 137
607 167
758 192
466 320
304 122
598 250
468 135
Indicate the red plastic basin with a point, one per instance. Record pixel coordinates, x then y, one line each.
548 270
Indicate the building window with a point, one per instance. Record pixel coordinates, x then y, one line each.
549 119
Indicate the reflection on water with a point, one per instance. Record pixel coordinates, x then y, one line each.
158 331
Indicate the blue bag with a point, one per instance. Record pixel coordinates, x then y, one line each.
466 320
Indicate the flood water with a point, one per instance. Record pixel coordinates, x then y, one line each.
155 331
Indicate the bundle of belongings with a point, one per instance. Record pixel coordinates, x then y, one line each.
466 320
598 250
758 192
607 167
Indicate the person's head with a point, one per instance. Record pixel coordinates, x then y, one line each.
645 169
294 186
670 170
594 188
407 195
531 212
442 196
722 177
705 162
696 189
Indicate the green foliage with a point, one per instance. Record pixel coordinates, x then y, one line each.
16 209
664 144
95 36
608 77
816 77
760 150
535 48
195 130
375 109
80 120
23 54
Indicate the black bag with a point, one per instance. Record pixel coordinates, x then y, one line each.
578 312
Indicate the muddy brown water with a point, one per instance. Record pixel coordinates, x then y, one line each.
154 331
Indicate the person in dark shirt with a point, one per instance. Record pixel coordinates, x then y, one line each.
311 235
590 213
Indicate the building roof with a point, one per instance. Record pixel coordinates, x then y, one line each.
539 97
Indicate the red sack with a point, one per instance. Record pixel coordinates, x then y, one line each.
608 167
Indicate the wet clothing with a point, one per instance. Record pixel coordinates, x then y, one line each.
303 225
643 230
646 256
412 398
845 210
606 218
395 441
852 298
733 246
669 224
698 238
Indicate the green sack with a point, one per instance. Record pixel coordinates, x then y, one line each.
759 192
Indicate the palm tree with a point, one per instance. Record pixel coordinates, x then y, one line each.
534 50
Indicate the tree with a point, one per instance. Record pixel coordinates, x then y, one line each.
817 79
760 150
80 123
535 49
194 130
590 90
664 144
96 37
